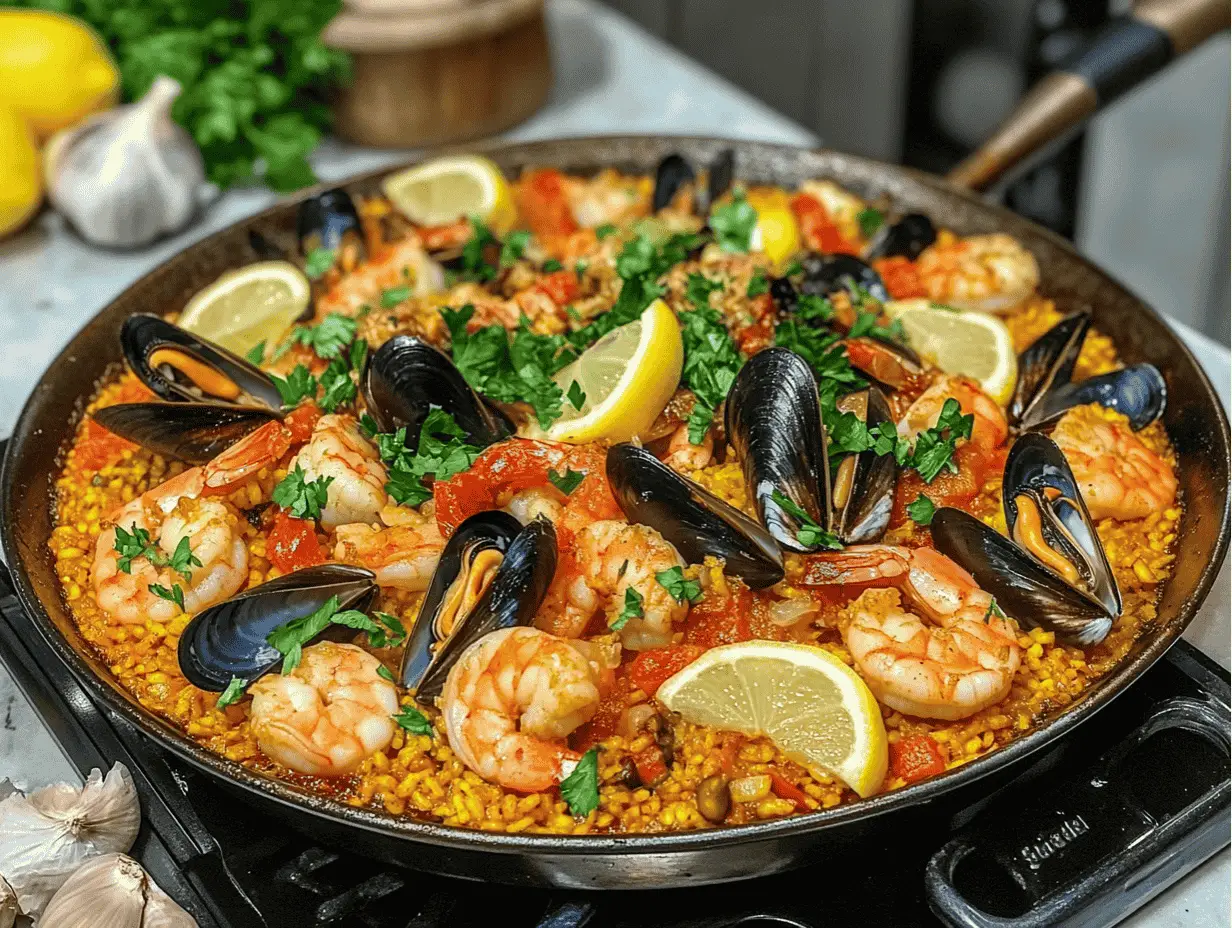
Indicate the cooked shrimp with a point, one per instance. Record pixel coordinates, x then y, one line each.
258 449
607 198
525 505
170 513
339 450
948 672
989 273
511 700
989 430
1119 476
686 457
399 264
328 714
938 585
403 556
609 559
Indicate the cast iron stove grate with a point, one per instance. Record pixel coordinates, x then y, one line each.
1093 829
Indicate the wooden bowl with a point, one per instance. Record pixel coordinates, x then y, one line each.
430 72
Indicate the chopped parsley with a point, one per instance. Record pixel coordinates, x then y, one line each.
733 223
711 359
810 534
576 396
232 694
994 609
396 634
395 295
866 324
175 594
318 261
474 267
413 720
603 231
567 482
934 447
512 248
333 340
298 386
580 789
759 283
579 268
256 354
304 499
632 609
922 510
441 452
869 220
385 673
336 383
136 544
328 338
290 637
673 580
698 289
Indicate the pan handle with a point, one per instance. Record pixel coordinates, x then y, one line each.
1125 53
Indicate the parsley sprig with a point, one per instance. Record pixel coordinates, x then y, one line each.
302 498
412 720
581 788
810 533
733 223
441 453
136 543
333 340
682 590
632 609
566 482
922 510
711 359
290 637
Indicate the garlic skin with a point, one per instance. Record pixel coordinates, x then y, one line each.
47 835
113 891
127 176
8 905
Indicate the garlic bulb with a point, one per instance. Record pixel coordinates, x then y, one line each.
113 891
8 904
47 835
129 175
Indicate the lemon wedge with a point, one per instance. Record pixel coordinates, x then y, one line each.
627 377
245 307
444 190
804 699
776 234
973 344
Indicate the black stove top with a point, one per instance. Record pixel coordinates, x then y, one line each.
1092 830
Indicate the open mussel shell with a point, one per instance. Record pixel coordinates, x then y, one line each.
463 568
674 173
694 520
1047 363
180 367
1140 393
512 598
192 432
773 423
863 487
329 220
406 378
1038 476
229 640
906 237
826 274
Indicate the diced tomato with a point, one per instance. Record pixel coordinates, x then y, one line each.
503 468
974 462
302 420
650 668
720 620
901 277
650 767
561 286
542 204
292 544
732 742
785 789
98 448
819 232
916 758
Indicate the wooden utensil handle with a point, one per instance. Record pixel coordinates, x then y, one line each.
1126 52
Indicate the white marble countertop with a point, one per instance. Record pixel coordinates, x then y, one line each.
611 77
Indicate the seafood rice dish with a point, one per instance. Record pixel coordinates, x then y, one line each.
615 504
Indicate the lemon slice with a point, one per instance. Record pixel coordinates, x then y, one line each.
254 304
627 376
776 234
807 701
973 344
444 190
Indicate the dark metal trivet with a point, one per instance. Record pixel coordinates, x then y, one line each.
1116 844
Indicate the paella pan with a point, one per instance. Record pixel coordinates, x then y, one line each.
699 492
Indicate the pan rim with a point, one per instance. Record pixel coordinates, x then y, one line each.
268 788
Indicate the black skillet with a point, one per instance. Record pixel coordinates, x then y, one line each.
1194 420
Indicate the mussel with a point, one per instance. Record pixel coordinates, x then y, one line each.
826 274
906 237
1051 571
406 378
864 483
229 640
211 397
773 423
493 574
693 519
1045 391
674 172
329 220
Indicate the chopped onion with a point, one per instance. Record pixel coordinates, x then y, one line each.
788 612
750 789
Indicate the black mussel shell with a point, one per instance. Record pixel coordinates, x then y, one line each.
327 220
694 520
865 514
826 274
1023 589
192 432
485 530
907 237
1139 393
406 378
773 424
784 294
672 173
1047 363
513 598
1037 468
180 367
720 176
675 172
229 640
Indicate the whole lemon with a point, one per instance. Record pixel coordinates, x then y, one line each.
54 70
21 181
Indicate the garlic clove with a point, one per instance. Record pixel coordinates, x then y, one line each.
47 835
113 891
127 176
